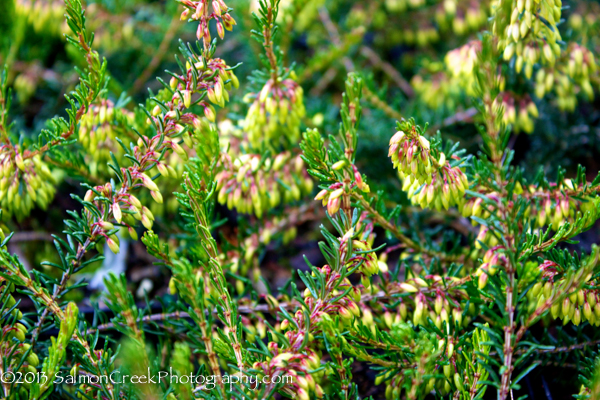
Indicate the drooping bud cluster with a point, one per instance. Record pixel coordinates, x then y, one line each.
215 76
431 301
429 183
368 263
205 10
399 6
520 113
528 29
125 208
275 113
578 306
253 185
573 74
332 196
554 209
557 205
422 23
44 16
465 374
304 385
461 17
492 261
461 62
434 87
294 357
23 183
97 132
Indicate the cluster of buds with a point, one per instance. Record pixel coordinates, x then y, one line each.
579 306
461 17
583 19
23 182
97 131
492 261
125 208
366 260
399 6
446 189
275 113
332 197
554 209
439 313
299 366
431 301
290 360
214 76
171 121
409 152
27 81
172 167
554 206
528 29
45 16
420 35
203 12
438 89
461 62
254 185
428 182
520 113
572 74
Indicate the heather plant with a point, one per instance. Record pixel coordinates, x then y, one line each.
284 215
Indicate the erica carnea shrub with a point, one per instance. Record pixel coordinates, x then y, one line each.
318 199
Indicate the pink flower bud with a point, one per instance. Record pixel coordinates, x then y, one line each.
117 212
333 205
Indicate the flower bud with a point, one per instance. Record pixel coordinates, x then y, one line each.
333 205
147 222
33 359
424 142
157 197
209 113
149 183
117 212
187 98
408 287
135 201
19 162
458 381
482 282
89 196
162 168
339 165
